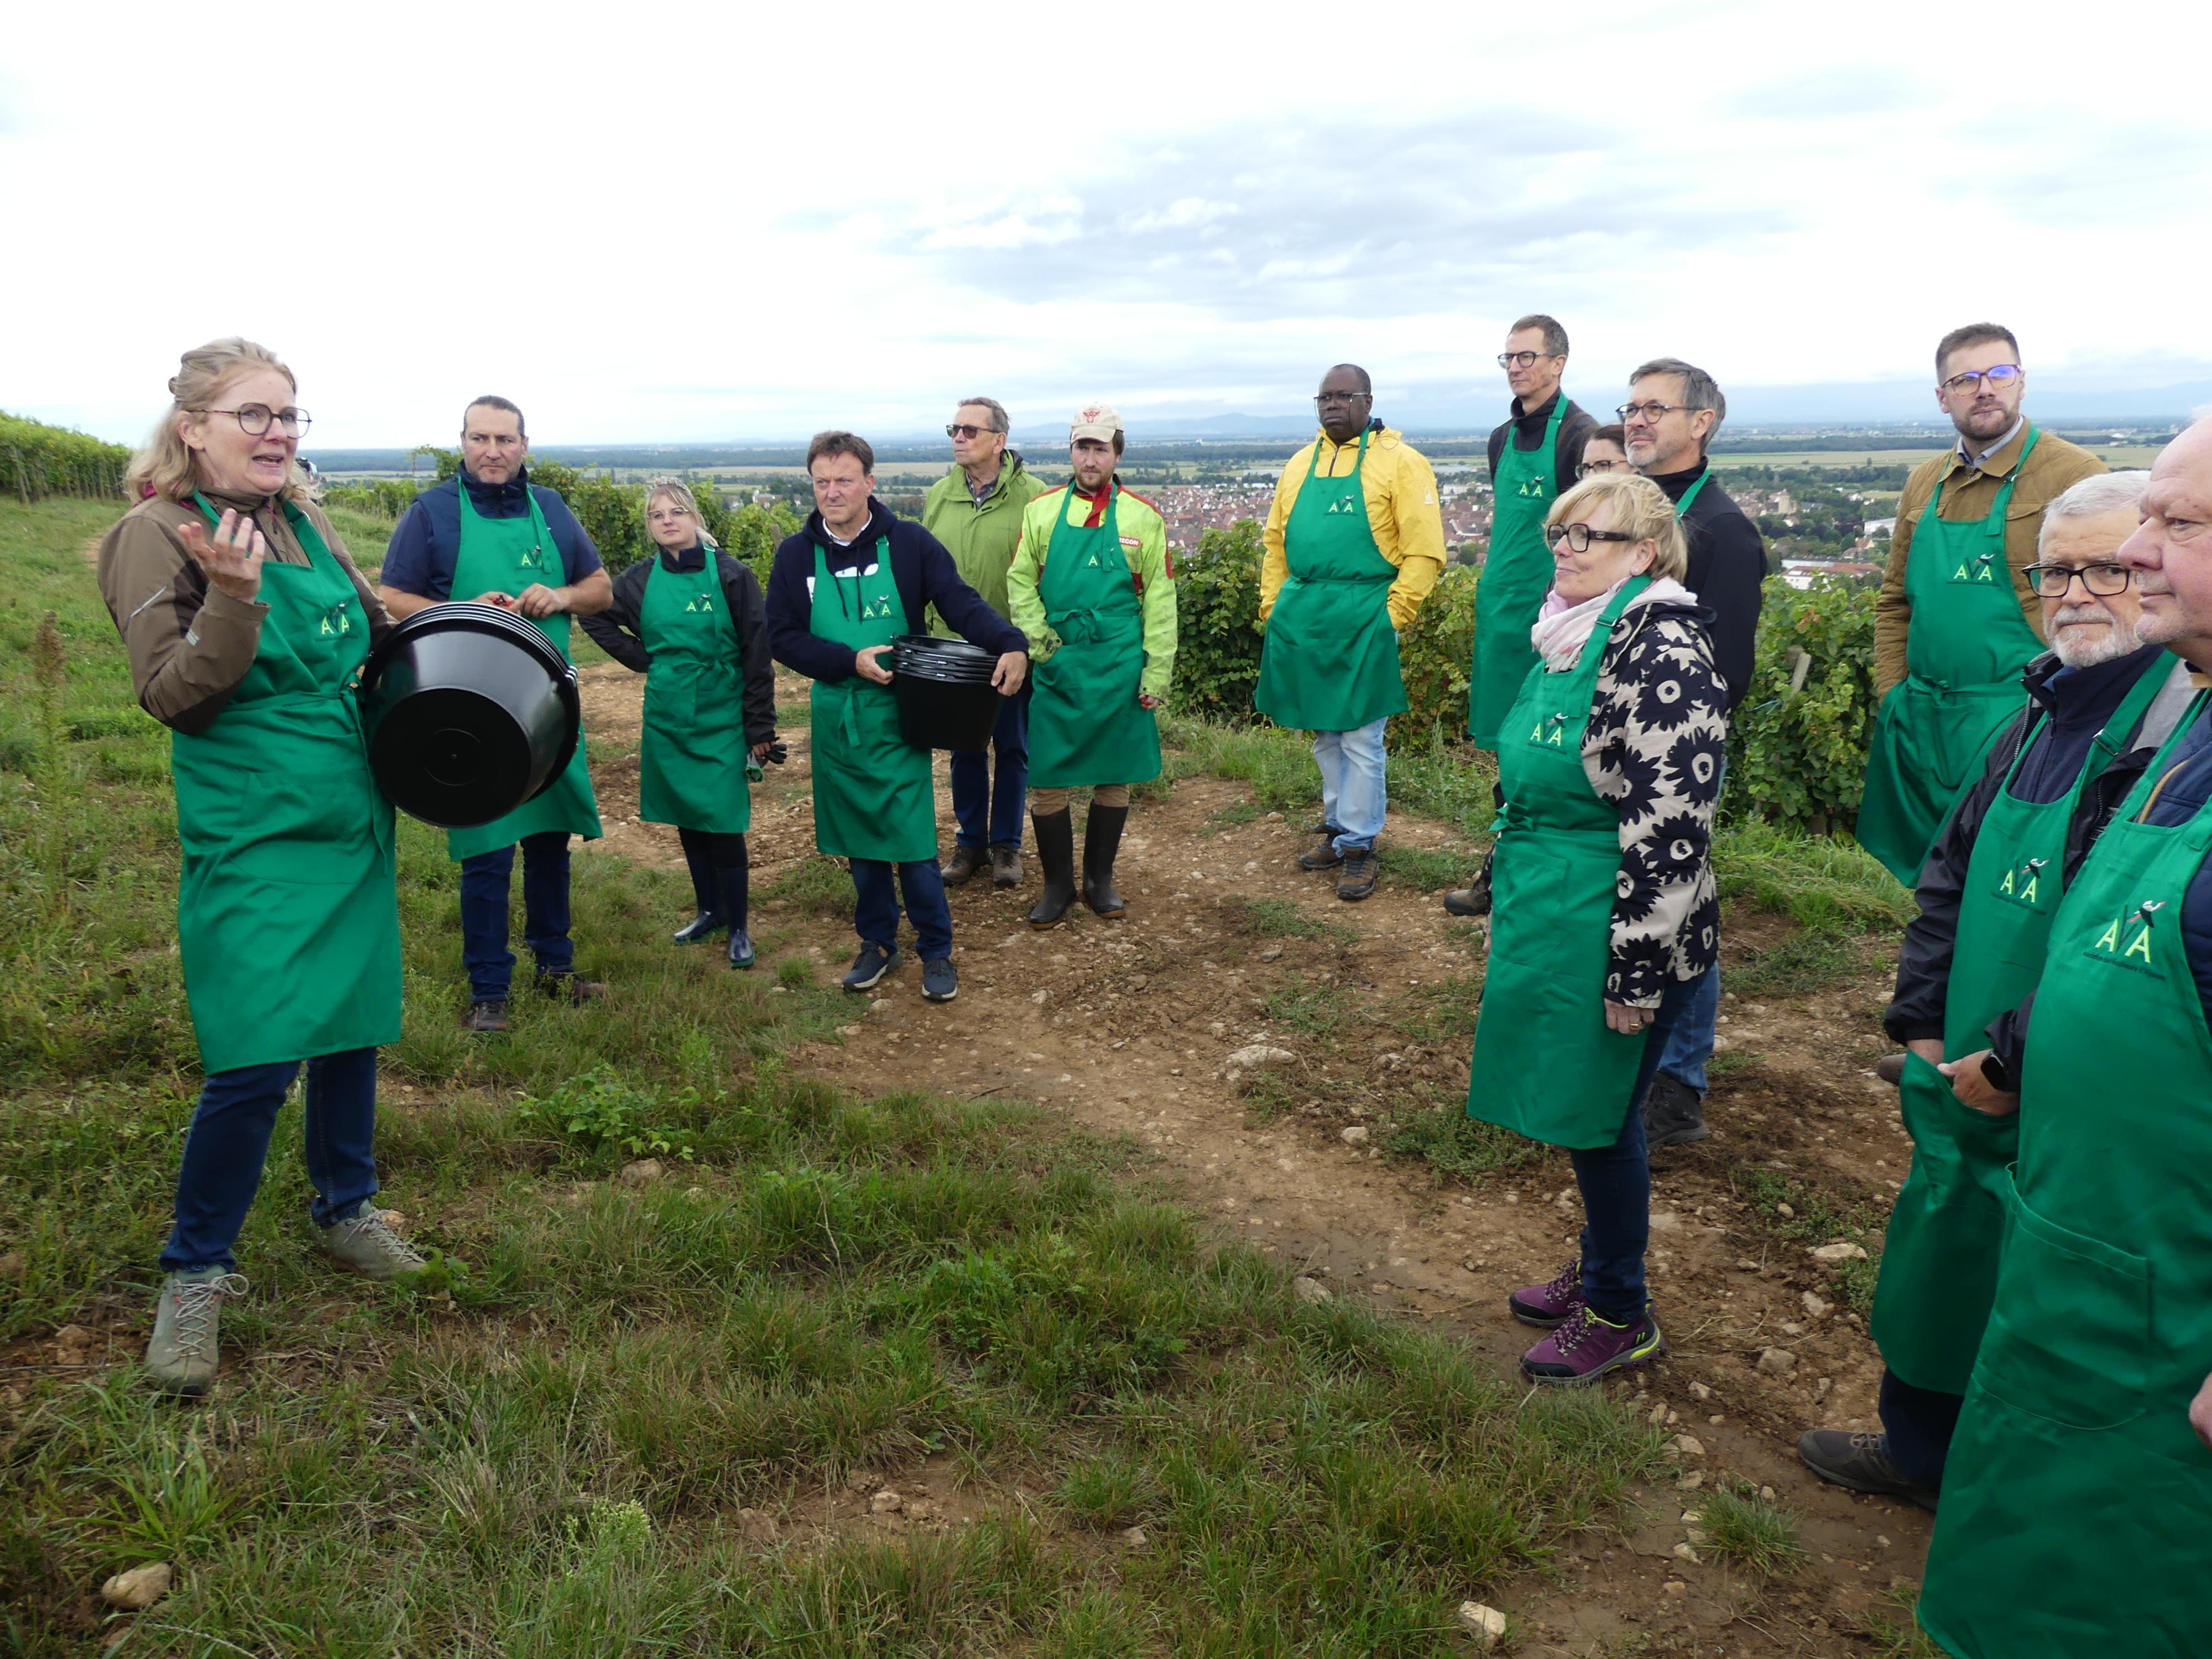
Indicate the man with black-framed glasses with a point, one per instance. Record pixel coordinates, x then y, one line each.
1674 408
2100 702
1534 457
1957 621
976 510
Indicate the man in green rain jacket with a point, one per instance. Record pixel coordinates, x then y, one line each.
976 511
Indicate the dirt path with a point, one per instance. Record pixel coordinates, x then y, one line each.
1146 1027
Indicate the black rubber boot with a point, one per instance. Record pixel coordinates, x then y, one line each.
706 893
1102 844
736 881
1056 844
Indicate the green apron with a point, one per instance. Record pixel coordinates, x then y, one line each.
691 764
1330 659
288 914
1546 1063
872 796
1086 726
1939 1261
1965 647
505 555
2078 1502
1517 574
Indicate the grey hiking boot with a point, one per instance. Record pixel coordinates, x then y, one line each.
965 862
181 1358
1860 1462
1005 864
368 1246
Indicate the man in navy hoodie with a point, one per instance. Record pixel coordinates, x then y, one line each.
840 593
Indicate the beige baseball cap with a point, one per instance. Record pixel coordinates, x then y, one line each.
1096 419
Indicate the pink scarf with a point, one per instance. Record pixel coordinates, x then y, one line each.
1563 629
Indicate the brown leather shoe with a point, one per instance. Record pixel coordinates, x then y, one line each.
1358 880
966 861
1324 855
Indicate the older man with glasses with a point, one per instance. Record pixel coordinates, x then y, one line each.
1674 408
1957 620
976 510
2099 704
2078 1496
1355 541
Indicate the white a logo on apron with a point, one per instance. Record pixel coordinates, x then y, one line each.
2126 939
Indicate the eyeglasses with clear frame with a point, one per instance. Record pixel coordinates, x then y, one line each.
2055 581
2000 376
254 419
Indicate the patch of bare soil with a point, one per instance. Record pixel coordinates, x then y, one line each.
1148 1027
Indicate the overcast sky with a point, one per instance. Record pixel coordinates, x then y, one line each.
648 221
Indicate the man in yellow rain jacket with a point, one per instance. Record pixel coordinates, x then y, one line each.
1355 540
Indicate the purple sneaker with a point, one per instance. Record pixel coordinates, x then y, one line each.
1587 1346
1547 1307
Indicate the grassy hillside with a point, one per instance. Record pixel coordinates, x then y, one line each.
566 1440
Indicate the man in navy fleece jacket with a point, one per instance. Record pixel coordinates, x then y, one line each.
872 799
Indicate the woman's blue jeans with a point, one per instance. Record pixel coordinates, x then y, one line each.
1616 1181
228 1144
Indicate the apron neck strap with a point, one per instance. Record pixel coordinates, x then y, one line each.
1682 506
1314 464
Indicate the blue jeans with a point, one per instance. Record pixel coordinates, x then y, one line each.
989 807
228 1144
1351 784
1690 1044
1919 1423
485 883
875 911
1616 1182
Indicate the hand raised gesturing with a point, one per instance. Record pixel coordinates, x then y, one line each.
233 559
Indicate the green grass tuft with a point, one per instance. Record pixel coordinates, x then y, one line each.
1736 1523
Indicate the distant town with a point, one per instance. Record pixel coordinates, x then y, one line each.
1824 498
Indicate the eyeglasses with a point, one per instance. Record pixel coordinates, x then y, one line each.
1578 537
1586 468
1327 398
1521 359
1650 413
2053 581
254 419
2000 377
965 431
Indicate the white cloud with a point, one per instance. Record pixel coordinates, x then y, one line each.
681 221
